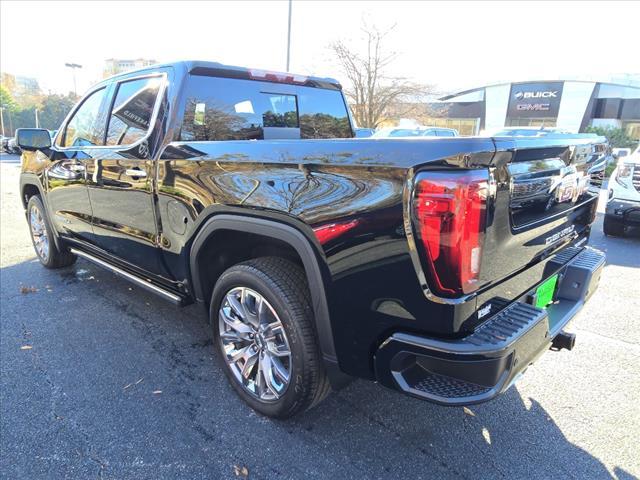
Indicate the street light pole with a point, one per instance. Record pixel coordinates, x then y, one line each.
37 122
73 67
2 119
289 37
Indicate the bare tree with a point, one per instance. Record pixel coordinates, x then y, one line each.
375 95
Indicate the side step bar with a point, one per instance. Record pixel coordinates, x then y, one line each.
167 295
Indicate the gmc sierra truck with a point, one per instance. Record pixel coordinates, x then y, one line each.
440 267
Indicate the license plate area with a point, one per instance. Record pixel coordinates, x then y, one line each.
545 293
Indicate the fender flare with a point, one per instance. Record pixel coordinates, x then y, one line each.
307 253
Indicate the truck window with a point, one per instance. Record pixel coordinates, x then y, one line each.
132 109
235 109
84 129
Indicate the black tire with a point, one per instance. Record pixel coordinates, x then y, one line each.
612 227
53 258
283 284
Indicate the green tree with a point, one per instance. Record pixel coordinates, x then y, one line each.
6 99
373 93
54 110
617 137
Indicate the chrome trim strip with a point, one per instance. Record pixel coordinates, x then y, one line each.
173 298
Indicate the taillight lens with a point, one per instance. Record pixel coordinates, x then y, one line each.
450 218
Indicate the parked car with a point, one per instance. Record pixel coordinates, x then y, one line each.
12 146
4 143
620 152
623 206
397 132
318 257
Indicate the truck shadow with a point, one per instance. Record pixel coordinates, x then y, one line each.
362 431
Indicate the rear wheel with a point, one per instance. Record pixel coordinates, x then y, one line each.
263 326
613 227
42 237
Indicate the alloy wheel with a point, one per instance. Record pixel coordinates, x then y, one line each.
255 343
39 233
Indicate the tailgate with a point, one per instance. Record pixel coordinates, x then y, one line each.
544 200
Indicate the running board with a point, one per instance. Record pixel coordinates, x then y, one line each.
167 295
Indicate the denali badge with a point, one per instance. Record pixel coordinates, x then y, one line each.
557 236
484 311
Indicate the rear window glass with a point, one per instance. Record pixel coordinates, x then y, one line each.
234 109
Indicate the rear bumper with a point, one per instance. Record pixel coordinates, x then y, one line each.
484 364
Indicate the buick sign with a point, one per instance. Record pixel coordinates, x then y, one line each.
530 100
547 94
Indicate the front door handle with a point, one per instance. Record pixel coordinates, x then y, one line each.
135 172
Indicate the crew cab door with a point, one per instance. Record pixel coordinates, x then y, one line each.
65 176
121 179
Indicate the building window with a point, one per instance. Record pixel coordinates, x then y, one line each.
531 122
632 129
464 126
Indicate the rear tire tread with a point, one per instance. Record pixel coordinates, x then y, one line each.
290 284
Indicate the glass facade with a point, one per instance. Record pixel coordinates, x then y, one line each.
531 122
464 126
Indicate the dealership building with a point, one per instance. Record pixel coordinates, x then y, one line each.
567 104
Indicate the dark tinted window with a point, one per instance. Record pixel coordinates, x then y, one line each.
86 127
323 114
132 109
234 109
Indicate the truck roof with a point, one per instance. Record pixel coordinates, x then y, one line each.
200 67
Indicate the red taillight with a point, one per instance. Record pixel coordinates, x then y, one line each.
449 214
326 233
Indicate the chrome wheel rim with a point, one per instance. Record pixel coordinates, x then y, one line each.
39 233
254 342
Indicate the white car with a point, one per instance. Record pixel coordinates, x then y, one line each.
623 206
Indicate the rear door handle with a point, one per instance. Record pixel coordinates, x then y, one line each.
135 172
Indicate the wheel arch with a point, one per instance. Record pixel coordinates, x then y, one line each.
311 259
30 186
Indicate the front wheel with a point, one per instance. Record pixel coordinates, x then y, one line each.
42 237
263 327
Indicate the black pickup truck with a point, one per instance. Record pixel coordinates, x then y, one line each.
440 267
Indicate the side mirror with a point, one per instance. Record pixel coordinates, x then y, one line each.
31 139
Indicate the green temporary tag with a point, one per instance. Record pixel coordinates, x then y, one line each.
544 293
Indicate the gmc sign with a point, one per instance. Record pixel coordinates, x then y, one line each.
534 100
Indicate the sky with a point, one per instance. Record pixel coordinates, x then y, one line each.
452 46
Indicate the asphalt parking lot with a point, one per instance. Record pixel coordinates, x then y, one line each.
102 379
